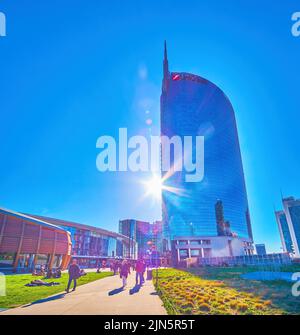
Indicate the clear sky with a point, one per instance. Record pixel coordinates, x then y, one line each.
71 71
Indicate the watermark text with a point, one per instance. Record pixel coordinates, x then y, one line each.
296 26
155 154
2 285
2 25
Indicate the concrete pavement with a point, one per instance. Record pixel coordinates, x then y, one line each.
101 297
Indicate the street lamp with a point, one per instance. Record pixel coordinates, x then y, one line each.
155 232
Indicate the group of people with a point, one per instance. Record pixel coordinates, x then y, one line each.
121 267
47 272
139 267
116 265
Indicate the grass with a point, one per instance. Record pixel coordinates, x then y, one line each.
18 294
222 291
278 291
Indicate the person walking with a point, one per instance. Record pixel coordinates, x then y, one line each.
124 272
139 272
74 274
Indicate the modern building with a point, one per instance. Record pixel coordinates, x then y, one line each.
128 227
156 230
148 237
209 247
260 249
288 222
27 242
213 212
92 245
284 232
292 211
143 236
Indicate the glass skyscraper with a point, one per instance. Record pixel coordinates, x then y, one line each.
292 212
142 233
284 231
217 205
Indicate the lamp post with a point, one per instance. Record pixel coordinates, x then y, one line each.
155 231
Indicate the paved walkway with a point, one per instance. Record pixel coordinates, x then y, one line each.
101 297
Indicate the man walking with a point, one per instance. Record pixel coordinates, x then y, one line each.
74 274
139 274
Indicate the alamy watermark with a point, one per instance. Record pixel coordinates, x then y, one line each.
2 25
296 26
159 153
296 285
2 285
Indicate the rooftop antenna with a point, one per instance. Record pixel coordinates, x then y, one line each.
165 68
281 194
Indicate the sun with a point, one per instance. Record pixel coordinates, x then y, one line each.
154 186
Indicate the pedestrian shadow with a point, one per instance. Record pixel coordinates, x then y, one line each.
135 289
116 291
54 297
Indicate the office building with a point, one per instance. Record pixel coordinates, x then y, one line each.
214 212
260 249
285 236
288 222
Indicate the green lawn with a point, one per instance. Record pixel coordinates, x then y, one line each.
222 291
18 294
279 291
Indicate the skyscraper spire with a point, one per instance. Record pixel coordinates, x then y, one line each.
166 54
165 68
166 63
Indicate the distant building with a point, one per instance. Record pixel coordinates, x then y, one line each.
291 208
128 228
143 235
260 249
284 232
148 236
91 245
156 235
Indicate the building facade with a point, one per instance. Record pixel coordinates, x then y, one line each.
27 242
148 236
156 235
128 227
217 206
92 245
284 232
205 247
292 211
260 249
288 222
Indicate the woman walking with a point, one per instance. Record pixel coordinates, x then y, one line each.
124 272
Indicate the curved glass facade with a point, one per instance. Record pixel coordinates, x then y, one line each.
216 206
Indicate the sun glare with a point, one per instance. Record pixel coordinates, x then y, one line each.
154 186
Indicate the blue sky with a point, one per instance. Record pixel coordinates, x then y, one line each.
71 71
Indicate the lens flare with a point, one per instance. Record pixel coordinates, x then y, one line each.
154 186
